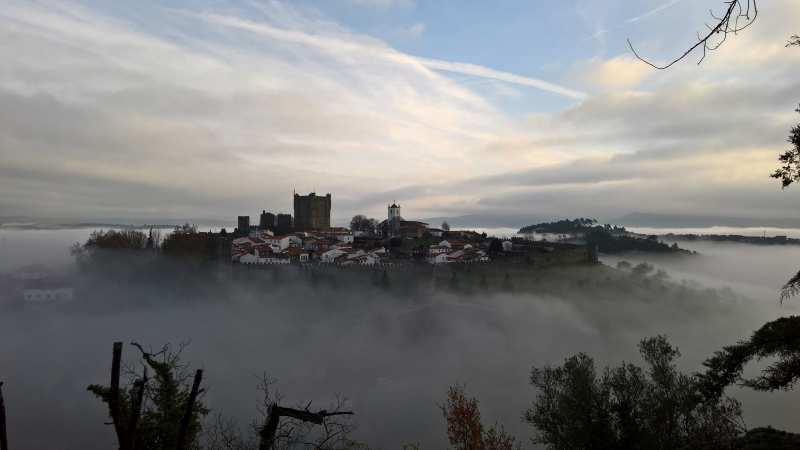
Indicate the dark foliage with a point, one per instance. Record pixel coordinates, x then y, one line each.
496 246
185 242
769 439
607 243
166 394
563 226
790 160
629 407
779 338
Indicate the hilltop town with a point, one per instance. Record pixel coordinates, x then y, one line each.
307 237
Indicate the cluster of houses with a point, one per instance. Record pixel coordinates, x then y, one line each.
336 246
331 246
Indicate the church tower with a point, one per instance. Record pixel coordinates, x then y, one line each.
394 211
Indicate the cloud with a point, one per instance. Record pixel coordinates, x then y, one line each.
401 3
417 29
652 11
621 72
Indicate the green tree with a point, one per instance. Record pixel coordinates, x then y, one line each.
185 242
778 339
496 246
629 407
166 394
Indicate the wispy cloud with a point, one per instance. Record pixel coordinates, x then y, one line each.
379 50
652 11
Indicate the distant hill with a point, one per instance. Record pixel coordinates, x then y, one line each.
45 223
638 219
485 221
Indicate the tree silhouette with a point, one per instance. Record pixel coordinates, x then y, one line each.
455 286
385 280
483 285
508 286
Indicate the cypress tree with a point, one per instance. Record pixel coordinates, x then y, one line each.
508 286
483 285
385 280
376 281
455 286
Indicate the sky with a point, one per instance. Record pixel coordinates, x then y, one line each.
154 109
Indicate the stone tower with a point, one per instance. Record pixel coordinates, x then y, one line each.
312 212
394 211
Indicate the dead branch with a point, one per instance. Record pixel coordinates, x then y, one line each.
728 23
3 436
187 415
275 413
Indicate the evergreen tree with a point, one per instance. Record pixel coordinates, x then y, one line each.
508 286
385 280
483 285
376 281
455 286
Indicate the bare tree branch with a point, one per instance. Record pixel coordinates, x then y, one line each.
728 23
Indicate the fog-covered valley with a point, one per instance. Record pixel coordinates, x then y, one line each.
394 356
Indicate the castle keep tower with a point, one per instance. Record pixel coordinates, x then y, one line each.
312 212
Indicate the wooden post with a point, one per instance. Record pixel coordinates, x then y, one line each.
113 397
137 396
187 415
3 436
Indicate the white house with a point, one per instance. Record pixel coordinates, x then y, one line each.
435 232
249 258
437 258
43 290
378 252
281 242
320 244
364 260
455 245
438 249
342 236
327 255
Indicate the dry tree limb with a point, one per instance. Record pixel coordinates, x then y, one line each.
275 413
187 415
728 23
3 435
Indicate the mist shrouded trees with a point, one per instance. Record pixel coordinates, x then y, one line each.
629 407
465 431
185 242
